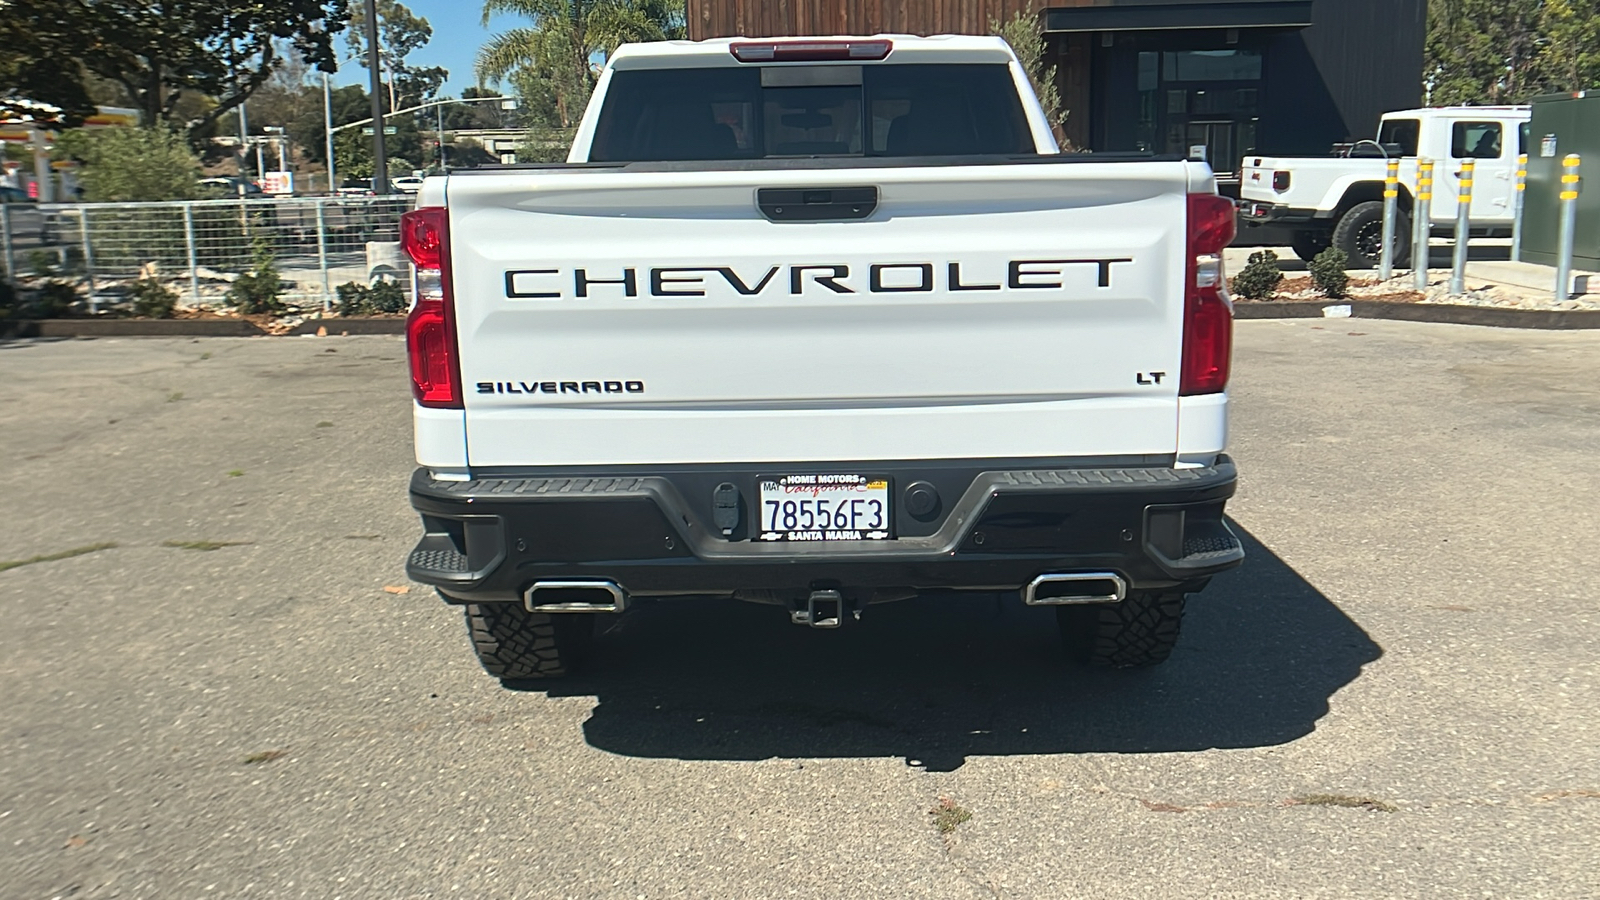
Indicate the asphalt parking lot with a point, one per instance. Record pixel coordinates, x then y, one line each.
1395 697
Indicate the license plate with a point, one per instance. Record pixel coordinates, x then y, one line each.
824 508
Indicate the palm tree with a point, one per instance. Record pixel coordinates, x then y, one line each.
555 53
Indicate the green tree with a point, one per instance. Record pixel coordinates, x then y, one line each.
1509 51
132 164
1025 34
551 60
224 49
400 32
1571 58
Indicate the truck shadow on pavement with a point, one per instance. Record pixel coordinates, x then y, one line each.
937 680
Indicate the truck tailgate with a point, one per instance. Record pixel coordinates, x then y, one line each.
620 317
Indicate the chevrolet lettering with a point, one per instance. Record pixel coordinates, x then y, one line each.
896 345
882 278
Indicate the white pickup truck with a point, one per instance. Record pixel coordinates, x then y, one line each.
1338 200
819 323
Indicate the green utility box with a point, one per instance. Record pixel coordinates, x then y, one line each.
1562 124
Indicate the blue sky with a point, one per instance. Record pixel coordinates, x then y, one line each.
456 39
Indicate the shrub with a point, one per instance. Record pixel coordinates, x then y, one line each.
40 263
152 299
8 300
357 299
259 291
52 300
121 164
1328 272
1259 278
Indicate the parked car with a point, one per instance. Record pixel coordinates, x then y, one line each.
406 184
10 194
228 187
887 341
1338 201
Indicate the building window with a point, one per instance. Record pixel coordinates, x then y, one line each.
1212 65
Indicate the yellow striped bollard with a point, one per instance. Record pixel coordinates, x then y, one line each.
1570 185
1423 225
1517 198
1458 267
1391 205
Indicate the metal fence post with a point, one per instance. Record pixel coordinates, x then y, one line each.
10 249
1458 264
1570 185
1424 224
322 256
1517 198
88 256
1391 203
194 259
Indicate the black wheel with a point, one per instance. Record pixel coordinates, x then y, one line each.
1360 235
1140 631
514 644
1307 244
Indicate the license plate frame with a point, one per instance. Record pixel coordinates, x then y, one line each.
868 519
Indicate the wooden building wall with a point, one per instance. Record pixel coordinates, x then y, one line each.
776 18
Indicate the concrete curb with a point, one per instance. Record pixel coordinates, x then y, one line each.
1492 316
60 328
72 328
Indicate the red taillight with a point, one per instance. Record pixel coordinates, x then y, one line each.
422 236
808 51
430 329
1208 315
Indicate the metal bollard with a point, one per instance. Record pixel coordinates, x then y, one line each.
1570 185
322 253
1391 204
88 256
1423 225
1458 265
6 240
194 258
1517 198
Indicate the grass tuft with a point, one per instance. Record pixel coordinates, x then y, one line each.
175 396
324 424
265 756
947 815
52 557
235 473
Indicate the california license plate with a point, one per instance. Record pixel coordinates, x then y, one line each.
824 508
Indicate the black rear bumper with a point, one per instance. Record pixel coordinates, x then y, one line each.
489 539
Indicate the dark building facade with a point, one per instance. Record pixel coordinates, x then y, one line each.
1222 78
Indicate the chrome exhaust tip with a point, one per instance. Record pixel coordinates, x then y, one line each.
575 597
1073 588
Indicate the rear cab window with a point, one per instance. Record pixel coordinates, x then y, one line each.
1400 134
766 112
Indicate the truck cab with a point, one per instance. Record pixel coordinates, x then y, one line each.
1338 200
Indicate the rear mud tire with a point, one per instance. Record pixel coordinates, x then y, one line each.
1360 235
1138 632
1307 244
516 645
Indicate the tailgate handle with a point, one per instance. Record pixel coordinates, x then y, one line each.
825 204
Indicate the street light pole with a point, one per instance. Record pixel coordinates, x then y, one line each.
380 156
327 118
439 135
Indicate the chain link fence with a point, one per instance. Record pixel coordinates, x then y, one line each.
199 248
